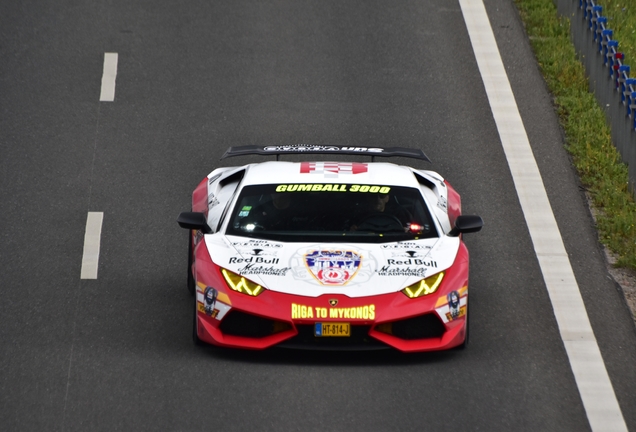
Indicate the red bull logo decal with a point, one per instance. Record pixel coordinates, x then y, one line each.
333 267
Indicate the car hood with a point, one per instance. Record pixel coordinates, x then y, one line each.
314 269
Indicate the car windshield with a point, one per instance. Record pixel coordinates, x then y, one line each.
331 213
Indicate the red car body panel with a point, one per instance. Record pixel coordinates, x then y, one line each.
387 308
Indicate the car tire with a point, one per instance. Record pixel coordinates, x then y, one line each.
191 282
195 333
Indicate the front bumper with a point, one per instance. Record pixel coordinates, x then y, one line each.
377 322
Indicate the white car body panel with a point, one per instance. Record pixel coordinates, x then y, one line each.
284 267
287 267
377 173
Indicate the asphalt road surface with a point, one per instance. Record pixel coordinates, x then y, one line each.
194 78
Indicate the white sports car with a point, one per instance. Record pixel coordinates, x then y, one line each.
328 255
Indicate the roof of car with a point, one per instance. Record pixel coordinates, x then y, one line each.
373 173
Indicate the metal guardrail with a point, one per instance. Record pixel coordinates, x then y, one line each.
612 58
607 71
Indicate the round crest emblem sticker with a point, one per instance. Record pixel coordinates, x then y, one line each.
333 267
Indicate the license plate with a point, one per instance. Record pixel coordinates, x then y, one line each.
332 330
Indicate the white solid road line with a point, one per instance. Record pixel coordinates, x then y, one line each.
595 388
108 77
92 239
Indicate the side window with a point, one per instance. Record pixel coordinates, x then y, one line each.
437 202
220 197
224 197
226 208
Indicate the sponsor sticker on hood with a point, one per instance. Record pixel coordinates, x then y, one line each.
314 269
333 267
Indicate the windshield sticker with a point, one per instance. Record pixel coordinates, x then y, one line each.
245 211
319 187
366 312
333 267
332 169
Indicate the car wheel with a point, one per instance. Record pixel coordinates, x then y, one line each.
191 283
464 344
195 333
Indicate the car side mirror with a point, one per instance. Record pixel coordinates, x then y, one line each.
194 221
465 224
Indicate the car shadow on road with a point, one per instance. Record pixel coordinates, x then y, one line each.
286 356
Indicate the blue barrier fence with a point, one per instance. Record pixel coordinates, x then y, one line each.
608 73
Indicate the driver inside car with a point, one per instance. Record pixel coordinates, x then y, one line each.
280 212
380 211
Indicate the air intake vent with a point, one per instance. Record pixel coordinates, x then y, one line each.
238 323
419 327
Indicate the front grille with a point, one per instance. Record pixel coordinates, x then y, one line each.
238 323
359 339
419 327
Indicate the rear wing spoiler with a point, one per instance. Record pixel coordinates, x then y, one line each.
325 149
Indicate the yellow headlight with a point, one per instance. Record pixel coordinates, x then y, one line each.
424 287
240 284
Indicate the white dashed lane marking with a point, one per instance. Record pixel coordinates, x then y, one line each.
592 380
108 78
92 240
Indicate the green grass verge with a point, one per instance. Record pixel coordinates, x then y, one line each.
588 136
621 17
